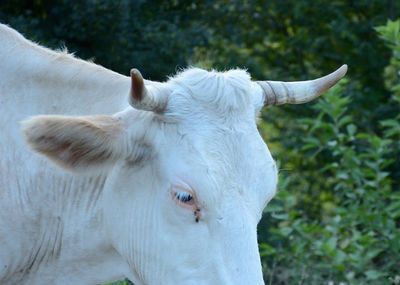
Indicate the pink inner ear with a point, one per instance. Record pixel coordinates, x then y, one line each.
76 142
63 149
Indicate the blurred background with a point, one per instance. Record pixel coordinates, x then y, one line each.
336 217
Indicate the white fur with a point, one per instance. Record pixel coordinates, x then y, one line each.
120 220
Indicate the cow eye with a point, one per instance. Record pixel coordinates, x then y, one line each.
187 199
183 196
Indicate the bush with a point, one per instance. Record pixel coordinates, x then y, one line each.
338 218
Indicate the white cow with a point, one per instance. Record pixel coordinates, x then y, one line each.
168 190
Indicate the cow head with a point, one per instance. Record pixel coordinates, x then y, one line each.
188 174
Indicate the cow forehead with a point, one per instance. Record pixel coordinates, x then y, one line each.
212 142
227 94
222 160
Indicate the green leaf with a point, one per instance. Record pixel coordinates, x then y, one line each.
374 274
273 208
351 129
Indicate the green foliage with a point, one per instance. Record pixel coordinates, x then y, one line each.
337 218
118 34
294 40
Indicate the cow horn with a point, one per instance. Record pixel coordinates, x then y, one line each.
299 92
153 98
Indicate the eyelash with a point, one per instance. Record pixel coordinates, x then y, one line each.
183 197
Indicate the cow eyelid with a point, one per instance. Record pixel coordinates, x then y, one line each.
186 199
183 196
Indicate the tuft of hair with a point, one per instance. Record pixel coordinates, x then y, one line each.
63 49
75 143
228 90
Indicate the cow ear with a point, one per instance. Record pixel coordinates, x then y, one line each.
75 143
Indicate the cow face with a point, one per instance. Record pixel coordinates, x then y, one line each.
190 205
188 177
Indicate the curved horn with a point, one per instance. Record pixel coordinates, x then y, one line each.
299 92
153 98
